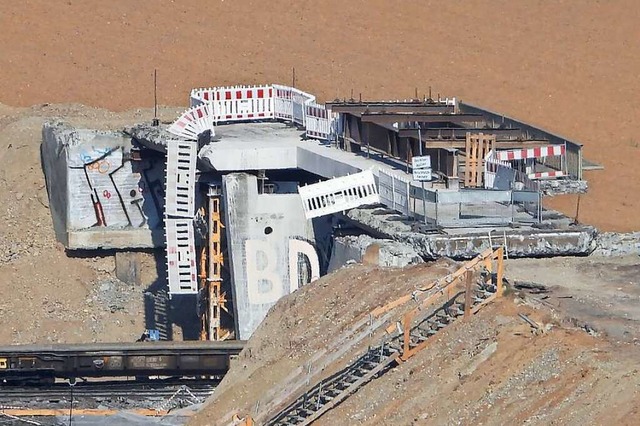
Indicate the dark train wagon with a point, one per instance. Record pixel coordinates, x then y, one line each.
42 363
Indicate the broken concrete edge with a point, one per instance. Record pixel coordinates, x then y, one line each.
372 251
151 137
617 244
579 240
58 137
550 188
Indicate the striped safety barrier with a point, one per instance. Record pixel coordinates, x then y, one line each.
282 103
491 167
201 96
180 178
237 103
181 256
538 152
247 103
194 121
240 103
299 101
339 194
547 175
318 122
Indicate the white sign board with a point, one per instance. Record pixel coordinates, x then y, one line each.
423 162
422 175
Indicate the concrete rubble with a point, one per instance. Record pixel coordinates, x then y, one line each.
617 244
560 187
467 243
380 252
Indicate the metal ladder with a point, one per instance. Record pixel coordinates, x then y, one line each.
381 358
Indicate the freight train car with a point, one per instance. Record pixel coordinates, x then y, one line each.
45 363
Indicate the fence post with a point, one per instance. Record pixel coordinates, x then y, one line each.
437 207
393 191
467 295
539 206
409 199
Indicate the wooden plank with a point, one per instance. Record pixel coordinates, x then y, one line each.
467 296
500 270
50 412
467 159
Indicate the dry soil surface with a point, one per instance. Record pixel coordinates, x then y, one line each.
49 295
571 67
492 369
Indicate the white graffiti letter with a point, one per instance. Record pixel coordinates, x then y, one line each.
264 284
296 247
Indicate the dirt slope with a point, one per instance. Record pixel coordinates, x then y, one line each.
490 370
568 66
49 295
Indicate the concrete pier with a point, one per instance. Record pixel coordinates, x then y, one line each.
270 248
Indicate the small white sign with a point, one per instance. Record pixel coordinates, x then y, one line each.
423 162
422 175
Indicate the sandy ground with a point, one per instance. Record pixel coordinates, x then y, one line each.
570 67
490 370
49 295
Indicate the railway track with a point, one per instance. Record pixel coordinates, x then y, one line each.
150 394
396 348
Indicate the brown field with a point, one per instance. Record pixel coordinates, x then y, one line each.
571 67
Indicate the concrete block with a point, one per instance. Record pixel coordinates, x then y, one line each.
466 243
95 187
128 267
270 248
372 251
617 244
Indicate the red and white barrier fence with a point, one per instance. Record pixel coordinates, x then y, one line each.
282 103
194 121
299 101
244 103
492 166
318 121
236 103
547 175
538 152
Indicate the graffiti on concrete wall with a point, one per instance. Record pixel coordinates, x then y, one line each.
111 190
267 280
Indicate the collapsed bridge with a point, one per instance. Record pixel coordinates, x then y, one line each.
255 191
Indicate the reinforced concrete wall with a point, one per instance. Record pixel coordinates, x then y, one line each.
99 197
563 240
271 248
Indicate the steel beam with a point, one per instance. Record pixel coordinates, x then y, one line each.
458 132
390 107
380 118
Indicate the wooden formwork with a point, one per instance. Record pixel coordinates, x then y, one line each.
485 261
477 147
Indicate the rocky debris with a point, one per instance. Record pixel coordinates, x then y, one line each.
468 243
550 188
386 253
152 137
617 244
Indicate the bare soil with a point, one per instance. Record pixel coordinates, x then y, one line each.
492 369
571 67
48 294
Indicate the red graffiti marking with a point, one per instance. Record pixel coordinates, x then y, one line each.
106 194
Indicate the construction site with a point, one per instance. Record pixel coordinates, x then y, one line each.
295 247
